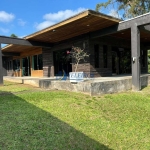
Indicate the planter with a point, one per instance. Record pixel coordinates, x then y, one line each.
76 77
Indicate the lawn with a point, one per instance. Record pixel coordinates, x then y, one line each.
36 119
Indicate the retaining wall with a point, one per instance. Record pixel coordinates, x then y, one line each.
92 87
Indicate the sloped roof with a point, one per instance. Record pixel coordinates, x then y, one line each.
82 23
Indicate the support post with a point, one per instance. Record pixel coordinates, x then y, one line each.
135 44
1 67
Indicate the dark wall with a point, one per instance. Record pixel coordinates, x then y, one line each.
48 65
4 60
84 42
48 62
112 43
105 66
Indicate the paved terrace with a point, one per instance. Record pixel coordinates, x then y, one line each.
93 87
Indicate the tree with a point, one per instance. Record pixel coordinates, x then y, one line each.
128 8
77 54
13 35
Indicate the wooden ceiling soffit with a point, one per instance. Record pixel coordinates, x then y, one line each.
73 19
69 20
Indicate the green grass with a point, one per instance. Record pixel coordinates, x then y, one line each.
35 119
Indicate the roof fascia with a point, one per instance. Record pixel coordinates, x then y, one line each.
19 41
123 25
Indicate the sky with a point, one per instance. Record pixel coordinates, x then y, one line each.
24 17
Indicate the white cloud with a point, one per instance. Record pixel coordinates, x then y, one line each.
4 30
6 17
44 24
113 13
53 18
21 22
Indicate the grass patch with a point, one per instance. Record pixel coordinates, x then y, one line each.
65 120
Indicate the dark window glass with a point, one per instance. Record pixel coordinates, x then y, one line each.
40 62
35 67
143 58
96 53
16 65
8 66
37 62
105 56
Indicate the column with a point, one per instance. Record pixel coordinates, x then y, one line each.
135 45
1 67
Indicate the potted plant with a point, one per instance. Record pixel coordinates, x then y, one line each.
77 54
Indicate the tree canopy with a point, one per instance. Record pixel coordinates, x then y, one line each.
126 8
13 35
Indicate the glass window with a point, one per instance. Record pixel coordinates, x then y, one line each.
40 62
8 65
105 56
96 52
16 65
37 62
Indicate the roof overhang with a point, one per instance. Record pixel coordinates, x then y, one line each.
82 23
123 29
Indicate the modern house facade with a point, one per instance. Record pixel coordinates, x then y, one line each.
115 47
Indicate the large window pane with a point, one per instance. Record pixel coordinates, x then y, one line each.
96 51
40 62
16 65
105 55
37 62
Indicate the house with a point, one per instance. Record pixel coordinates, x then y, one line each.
115 47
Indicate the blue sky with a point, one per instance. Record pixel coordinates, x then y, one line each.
23 17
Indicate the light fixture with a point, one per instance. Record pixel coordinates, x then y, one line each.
87 25
54 30
122 33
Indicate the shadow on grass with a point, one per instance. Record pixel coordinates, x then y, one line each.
25 126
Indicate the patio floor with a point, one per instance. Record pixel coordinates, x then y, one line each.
93 86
